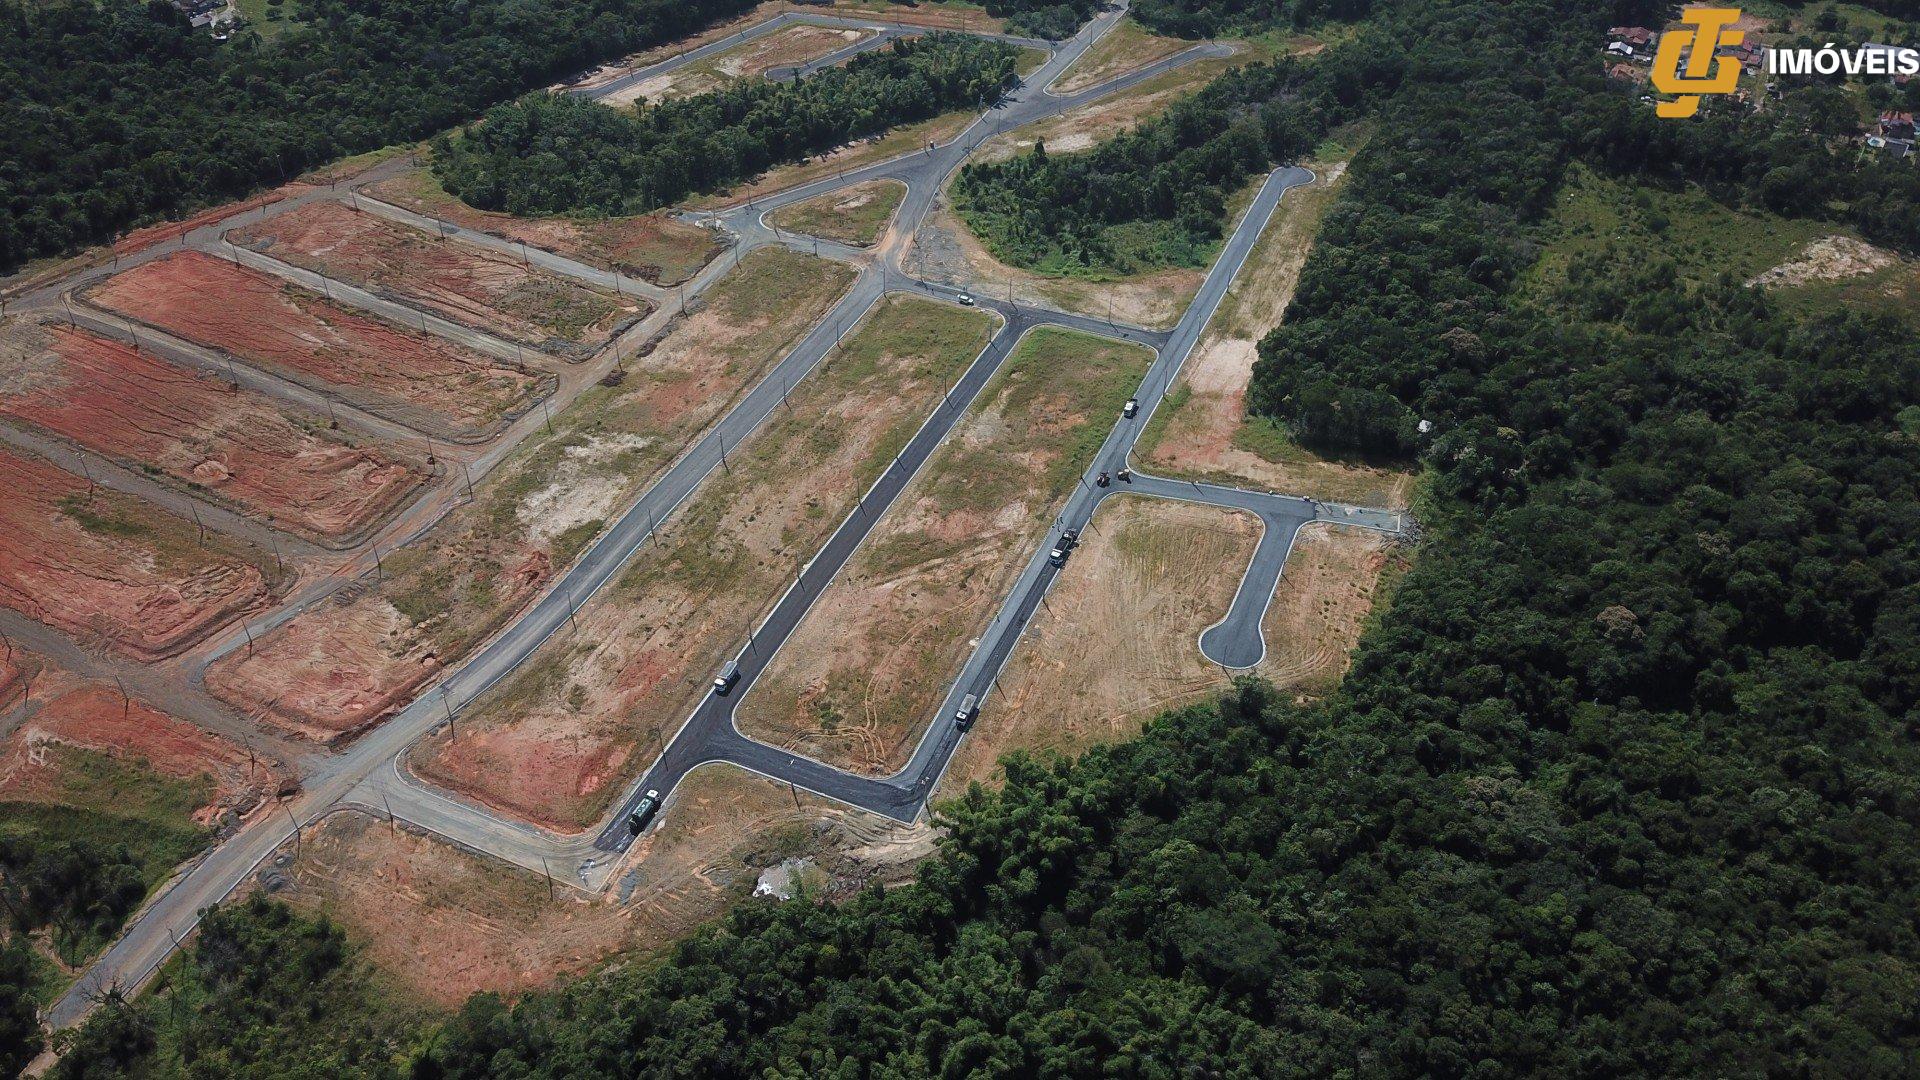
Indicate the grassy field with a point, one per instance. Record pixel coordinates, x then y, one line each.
552 743
864 672
89 798
1599 217
1126 47
857 215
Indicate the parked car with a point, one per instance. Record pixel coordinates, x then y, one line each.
643 811
729 674
1132 409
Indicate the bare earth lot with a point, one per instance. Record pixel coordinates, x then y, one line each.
93 717
1127 47
402 374
473 286
857 215
334 670
790 46
859 680
110 567
651 247
1118 640
234 446
447 923
551 742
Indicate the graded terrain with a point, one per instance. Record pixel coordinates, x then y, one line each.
855 215
396 372
233 446
787 47
476 287
858 681
101 565
343 665
550 742
651 247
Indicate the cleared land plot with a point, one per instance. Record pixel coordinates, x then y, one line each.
1202 431
447 924
401 374
857 215
790 46
650 247
114 568
857 682
552 742
1107 117
334 670
234 446
473 286
1127 47
1118 640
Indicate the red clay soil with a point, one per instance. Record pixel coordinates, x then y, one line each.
650 247
473 286
9 671
116 568
404 375
141 239
93 716
333 673
238 446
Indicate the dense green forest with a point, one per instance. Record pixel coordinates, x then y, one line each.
1043 18
545 154
1213 18
264 992
1622 782
117 113
1158 196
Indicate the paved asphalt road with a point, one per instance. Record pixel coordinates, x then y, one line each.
368 774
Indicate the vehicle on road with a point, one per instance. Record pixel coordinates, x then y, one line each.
643 811
969 708
966 299
729 674
1057 557
1103 479
1132 408
1070 539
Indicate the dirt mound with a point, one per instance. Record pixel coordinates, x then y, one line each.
470 285
651 247
404 375
1830 258
112 566
236 446
95 717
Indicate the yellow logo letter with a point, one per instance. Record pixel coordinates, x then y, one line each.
1707 33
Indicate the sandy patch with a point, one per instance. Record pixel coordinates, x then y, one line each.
1830 258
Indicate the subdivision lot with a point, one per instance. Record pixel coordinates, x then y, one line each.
1118 640
790 46
552 742
402 374
651 247
335 669
1127 47
103 566
232 446
1202 431
446 923
476 287
1106 117
856 215
859 679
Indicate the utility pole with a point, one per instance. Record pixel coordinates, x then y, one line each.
247 630
549 874
126 703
